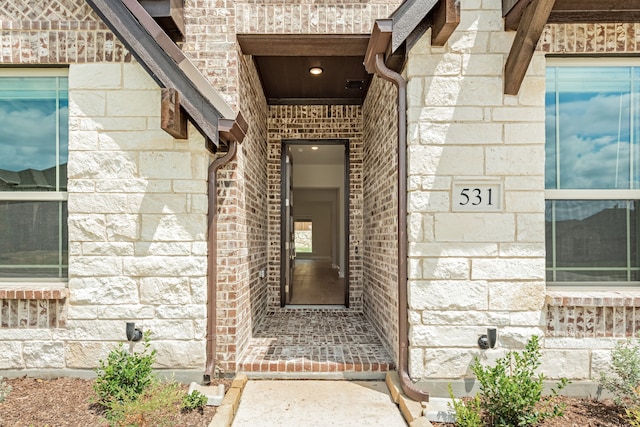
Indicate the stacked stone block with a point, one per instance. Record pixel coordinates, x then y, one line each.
137 220
473 270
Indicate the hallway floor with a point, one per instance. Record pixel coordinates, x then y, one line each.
315 282
315 341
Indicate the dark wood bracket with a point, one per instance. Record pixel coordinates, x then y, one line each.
173 118
446 17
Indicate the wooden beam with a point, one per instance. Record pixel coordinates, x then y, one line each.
529 31
576 11
446 17
303 44
173 119
601 11
512 13
165 62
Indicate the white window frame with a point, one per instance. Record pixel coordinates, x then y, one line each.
35 196
588 194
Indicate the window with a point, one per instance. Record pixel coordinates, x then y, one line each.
592 175
33 174
304 236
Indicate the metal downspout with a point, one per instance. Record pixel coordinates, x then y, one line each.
212 258
403 338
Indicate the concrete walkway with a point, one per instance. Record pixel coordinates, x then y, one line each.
317 403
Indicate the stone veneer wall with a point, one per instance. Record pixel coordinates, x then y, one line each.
380 256
137 206
470 271
315 122
473 270
137 220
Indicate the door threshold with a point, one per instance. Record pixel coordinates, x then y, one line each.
315 306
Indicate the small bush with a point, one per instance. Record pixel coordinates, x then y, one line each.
633 415
124 376
511 392
625 367
5 389
156 407
194 400
468 414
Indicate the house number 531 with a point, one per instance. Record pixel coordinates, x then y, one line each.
478 196
475 196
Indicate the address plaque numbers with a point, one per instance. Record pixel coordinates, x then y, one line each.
477 196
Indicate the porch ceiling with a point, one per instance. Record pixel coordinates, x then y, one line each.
283 63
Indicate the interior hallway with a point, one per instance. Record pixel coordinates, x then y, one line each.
315 282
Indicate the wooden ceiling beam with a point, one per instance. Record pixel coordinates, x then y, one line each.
446 17
530 29
576 11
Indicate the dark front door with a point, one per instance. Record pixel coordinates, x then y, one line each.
288 250
321 168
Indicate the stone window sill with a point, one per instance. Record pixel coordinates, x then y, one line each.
585 298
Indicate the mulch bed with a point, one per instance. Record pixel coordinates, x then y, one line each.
68 402
583 413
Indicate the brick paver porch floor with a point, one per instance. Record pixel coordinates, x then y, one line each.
315 340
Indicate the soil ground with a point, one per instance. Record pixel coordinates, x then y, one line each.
68 402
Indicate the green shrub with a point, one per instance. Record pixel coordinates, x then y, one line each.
5 389
625 367
511 392
124 376
194 400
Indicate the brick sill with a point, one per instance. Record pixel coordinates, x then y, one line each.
585 298
33 291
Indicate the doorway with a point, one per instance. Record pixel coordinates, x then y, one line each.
315 223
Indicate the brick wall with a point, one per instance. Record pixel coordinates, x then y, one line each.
56 32
311 16
211 27
380 213
243 228
315 122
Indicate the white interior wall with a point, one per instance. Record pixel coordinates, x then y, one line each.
324 177
323 232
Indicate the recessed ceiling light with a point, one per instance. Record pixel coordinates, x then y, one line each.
316 71
314 148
